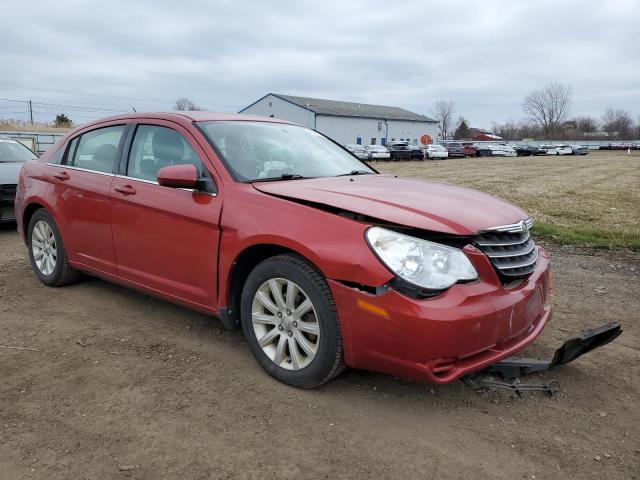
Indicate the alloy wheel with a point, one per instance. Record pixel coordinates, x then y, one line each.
44 247
285 324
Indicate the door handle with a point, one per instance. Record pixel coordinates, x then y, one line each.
126 190
62 176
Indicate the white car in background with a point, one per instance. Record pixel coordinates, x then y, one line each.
435 151
498 150
377 152
359 151
560 149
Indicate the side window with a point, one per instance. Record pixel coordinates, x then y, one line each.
96 150
155 147
56 157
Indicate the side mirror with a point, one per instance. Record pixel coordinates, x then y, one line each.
178 176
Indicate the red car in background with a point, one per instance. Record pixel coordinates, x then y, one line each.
470 150
278 230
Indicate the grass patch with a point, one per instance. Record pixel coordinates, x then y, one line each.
592 200
592 238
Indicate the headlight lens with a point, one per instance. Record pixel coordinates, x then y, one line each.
426 264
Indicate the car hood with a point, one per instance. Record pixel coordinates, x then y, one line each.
419 204
9 172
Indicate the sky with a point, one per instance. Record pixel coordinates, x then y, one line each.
90 59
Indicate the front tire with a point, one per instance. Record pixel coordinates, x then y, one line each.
290 321
47 253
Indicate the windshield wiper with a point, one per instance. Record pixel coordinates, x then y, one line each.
284 176
355 172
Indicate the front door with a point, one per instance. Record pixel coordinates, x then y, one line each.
83 209
166 239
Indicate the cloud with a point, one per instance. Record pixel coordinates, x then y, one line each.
485 56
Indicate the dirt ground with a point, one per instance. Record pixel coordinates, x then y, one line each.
115 384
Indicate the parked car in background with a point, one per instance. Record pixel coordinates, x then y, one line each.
579 150
322 262
470 150
13 154
435 151
399 151
455 149
620 146
499 150
417 153
359 151
529 150
560 149
378 152
482 150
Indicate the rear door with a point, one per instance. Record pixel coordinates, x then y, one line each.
166 239
81 190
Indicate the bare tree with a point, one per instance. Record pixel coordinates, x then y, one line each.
443 112
618 122
548 107
586 123
509 130
184 104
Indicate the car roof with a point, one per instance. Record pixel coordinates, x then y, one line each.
183 117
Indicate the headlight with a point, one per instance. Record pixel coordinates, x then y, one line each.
426 264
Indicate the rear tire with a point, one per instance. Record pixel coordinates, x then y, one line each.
47 253
300 349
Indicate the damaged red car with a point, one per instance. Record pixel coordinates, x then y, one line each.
276 229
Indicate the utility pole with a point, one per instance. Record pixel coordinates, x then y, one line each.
30 113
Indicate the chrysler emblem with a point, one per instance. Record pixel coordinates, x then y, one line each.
523 227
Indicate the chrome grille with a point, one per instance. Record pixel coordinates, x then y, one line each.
510 249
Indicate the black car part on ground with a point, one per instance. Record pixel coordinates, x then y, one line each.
512 368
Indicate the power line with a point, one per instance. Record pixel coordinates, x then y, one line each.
10 85
129 99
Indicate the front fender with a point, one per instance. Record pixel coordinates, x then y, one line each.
334 244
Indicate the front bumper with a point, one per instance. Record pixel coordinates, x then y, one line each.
438 340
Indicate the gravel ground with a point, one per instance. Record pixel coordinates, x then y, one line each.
116 384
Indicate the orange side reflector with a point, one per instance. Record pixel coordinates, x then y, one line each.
369 307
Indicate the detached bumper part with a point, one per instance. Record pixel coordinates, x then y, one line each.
513 368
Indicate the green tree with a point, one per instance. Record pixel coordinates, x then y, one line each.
62 121
462 129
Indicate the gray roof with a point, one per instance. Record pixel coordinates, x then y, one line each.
351 109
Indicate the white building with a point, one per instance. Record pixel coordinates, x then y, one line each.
347 122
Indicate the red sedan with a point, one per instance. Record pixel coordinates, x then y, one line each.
278 230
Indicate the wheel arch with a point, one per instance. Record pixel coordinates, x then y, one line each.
26 217
242 265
